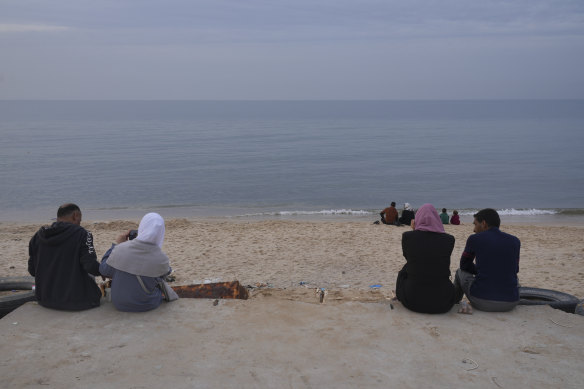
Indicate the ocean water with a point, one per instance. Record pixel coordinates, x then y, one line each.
291 159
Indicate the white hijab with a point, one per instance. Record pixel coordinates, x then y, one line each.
143 256
151 229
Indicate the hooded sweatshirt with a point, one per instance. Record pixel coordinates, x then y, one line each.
143 258
63 261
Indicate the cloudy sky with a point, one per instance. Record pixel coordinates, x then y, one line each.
291 49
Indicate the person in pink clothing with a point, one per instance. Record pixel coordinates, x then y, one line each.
423 284
455 219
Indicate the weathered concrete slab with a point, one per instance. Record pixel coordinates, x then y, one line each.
265 342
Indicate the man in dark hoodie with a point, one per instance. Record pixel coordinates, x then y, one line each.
63 261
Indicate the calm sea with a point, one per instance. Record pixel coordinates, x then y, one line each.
320 159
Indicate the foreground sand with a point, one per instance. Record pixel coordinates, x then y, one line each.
282 336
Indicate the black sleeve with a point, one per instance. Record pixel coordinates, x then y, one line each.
467 258
404 238
31 255
88 256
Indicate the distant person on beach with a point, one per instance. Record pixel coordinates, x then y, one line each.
389 215
407 215
63 261
423 284
444 216
137 266
455 219
489 266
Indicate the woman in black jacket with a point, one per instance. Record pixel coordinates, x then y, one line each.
423 284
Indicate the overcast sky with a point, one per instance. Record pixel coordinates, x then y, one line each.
291 49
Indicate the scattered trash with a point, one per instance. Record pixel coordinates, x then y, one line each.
468 360
170 278
375 286
15 323
209 281
561 325
465 308
302 283
321 293
215 303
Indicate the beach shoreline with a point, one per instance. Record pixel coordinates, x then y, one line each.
348 256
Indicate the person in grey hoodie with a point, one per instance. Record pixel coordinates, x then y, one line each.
137 266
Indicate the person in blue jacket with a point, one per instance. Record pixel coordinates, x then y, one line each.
137 266
489 265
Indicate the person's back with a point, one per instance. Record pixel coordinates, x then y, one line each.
444 216
496 265
63 261
489 265
455 219
137 267
407 215
389 215
423 284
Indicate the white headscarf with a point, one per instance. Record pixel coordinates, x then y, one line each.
143 256
151 229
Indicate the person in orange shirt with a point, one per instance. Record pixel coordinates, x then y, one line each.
389 215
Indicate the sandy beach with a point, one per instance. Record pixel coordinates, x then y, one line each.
343 257
282 336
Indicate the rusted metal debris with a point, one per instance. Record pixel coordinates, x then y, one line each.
216 290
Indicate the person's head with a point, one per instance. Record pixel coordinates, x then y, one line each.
485 219
455 212
69 213
393 203
443 210
151 229
427 219
407 206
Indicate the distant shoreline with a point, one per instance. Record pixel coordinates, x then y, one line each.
134 215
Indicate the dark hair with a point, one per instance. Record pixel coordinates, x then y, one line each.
443 210
67 209
455 212
488 215
393 203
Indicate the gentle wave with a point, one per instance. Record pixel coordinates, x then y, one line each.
324 212
464 212
515 212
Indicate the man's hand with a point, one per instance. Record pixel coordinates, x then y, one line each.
123 237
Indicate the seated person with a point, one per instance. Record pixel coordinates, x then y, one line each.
423 284
455 219
444 216
63 262
407 215
389 215
137 266
489 266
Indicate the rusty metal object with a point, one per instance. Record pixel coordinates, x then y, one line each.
216 290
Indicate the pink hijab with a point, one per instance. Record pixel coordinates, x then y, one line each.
427 219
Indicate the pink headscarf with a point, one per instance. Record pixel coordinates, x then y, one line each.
427 219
